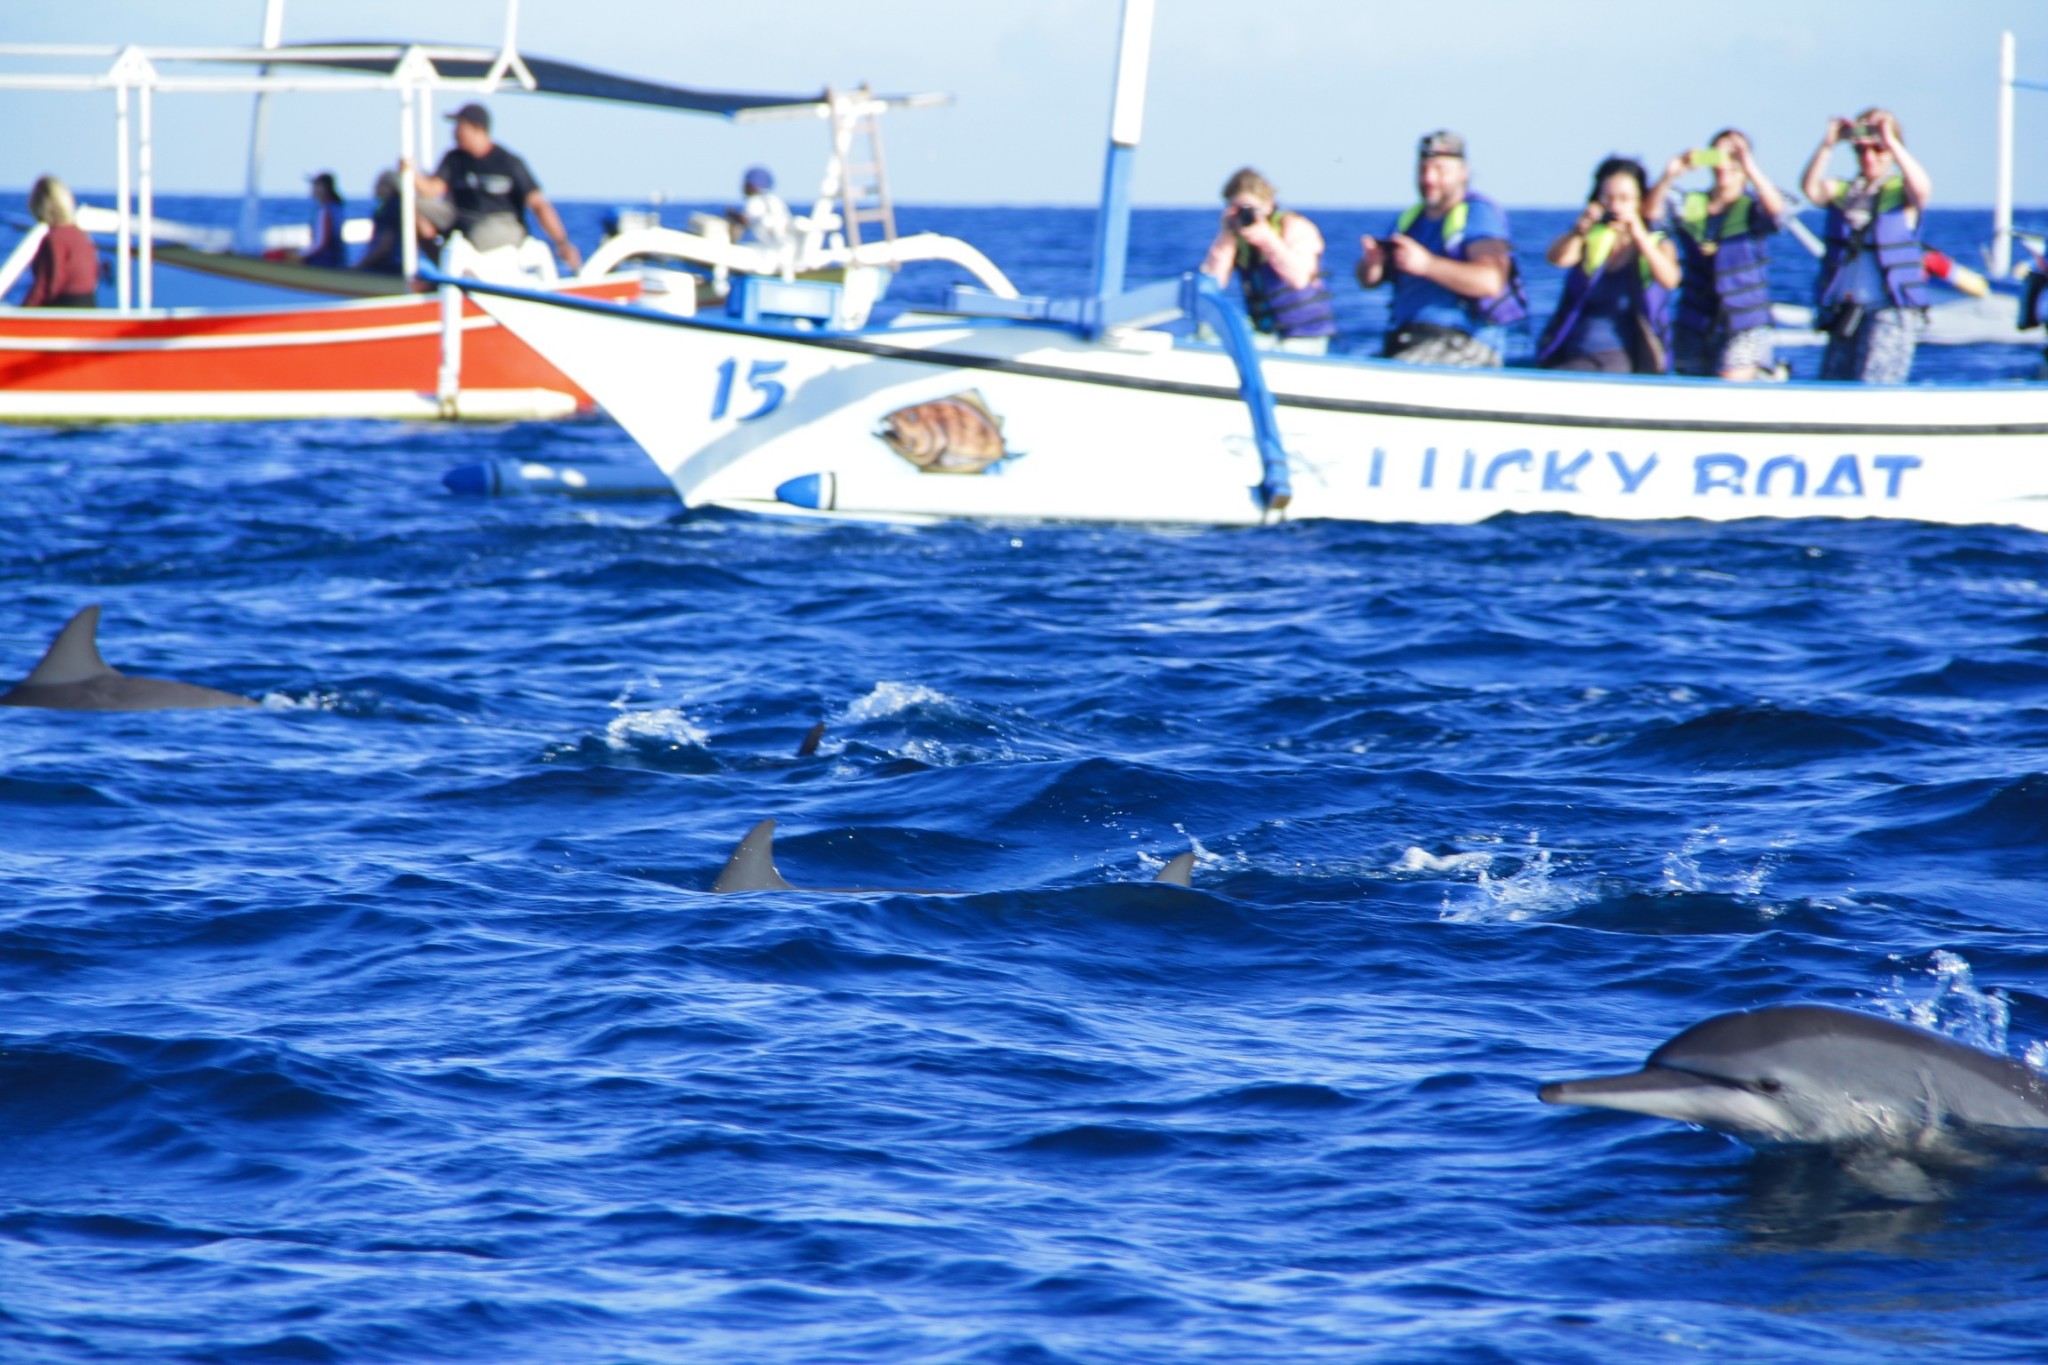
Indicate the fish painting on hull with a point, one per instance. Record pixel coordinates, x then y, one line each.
957 435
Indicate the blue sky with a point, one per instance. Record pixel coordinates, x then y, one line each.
1326 96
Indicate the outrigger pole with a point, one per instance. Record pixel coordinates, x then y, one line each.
1126 121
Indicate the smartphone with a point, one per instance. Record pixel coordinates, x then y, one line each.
1862 132
1709 156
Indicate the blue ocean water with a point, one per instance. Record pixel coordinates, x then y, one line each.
393 1021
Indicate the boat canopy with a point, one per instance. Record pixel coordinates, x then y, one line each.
391 64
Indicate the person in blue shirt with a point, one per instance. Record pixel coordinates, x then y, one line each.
1615 317
1452 265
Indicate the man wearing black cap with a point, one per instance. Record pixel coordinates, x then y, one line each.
1456 287
492 189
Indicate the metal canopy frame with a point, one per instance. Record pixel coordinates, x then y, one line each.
414 71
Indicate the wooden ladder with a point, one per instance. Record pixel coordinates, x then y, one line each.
863 185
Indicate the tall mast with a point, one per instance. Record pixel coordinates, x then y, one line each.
248 229
2001 204
1126 121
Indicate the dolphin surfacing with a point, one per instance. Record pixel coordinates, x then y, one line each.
73 677
1814 1074
752 868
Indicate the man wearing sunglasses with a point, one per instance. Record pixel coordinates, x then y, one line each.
1872 296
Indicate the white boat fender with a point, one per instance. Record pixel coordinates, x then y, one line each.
819 492
506 477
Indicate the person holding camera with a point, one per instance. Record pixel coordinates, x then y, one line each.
1456 286
1277 256
1872 296
1723 323
1615 317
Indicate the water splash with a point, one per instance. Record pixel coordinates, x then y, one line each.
1952 1005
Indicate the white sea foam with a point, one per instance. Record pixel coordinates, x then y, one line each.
1422 860
1529 891
893 698
1953 1005
665 725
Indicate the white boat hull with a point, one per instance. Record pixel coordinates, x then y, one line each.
1131 428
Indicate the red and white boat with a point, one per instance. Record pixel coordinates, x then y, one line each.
407 354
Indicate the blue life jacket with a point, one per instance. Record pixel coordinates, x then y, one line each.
1277 306
1511 304
330 252
1727 259
1652 305
1890 235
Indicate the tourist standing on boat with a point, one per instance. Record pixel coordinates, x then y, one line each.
762 219
492 190
1277 256
326 248
1615 317
1872 295
66 270
1456 286
1723 323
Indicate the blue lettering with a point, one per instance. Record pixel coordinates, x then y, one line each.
1631 480
723 398
1379 467
1465 478
1718 471
1895 467
1429 467
771 390
1563 478
1502 461
1772 466
1844 480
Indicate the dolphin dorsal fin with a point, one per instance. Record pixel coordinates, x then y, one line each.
1179 872
74 655
752 865
810 741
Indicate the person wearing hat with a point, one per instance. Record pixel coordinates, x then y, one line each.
763 219
492 189
1452 264
326 248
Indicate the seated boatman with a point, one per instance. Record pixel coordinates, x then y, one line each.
492 189
1278 257
1456 288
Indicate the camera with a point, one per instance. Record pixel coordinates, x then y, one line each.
1245 216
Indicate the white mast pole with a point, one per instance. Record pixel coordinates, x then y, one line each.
2001 208
1126 121
145 270
123 281
248 230
408 191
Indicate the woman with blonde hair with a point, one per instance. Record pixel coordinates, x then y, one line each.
1277 255
66 269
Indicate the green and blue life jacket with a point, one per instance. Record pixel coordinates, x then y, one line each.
1511 304
1650 348
1277 306
1726 258
1891 235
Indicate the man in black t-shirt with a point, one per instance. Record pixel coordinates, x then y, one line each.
492 189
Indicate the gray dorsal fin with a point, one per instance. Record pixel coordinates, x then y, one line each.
1179 872
811 738
752 865
74 655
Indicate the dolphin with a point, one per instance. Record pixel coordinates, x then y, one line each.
1816 1075
73 677
809 745
752 868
